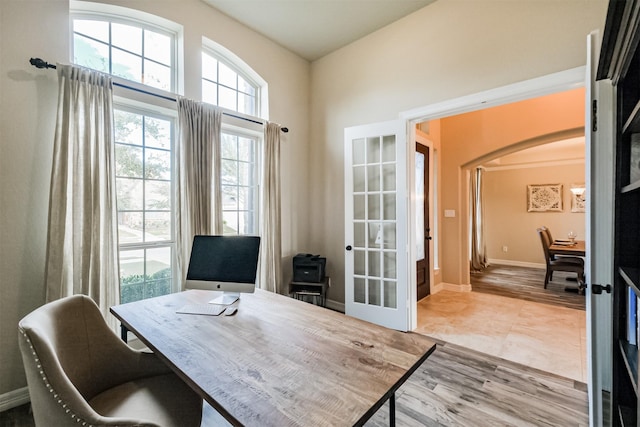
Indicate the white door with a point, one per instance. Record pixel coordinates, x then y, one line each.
376 223
599 161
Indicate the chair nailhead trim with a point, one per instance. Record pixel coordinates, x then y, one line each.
48 385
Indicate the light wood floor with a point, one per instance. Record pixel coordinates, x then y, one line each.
527 284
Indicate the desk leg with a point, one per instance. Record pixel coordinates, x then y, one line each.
123 332
392 410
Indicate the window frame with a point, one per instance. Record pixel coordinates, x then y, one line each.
235 63
245 132
121 15
155 111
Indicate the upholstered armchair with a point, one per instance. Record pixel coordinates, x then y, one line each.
80 373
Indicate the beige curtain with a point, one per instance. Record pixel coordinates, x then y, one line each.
199 205
478 245
82 240
270 244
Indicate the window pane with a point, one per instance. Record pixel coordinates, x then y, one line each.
91 54
228 77
129 194
209 92
246 104
244 173
127 37
130 227
128 161
157 226
157 164
157 133
227 98
246 87
245 202
246 225
126 65
157 75
209 67
229 198
229 172
128 127
229 146
158 195
157 47
95 29
144 273
246 149
230 222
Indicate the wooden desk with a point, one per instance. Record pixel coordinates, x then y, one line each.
279 361
576 250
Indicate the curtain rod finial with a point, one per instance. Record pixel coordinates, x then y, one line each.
39 63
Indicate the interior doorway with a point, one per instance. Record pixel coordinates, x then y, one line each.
423 228
517 159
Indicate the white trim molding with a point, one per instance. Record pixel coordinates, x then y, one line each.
443 286
517 263
14 398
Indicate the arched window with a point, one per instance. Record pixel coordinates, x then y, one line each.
229 82
123 46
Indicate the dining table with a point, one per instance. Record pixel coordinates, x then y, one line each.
567 247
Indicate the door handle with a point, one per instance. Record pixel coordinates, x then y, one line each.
348 247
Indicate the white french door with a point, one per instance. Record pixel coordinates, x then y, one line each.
599 174
376 226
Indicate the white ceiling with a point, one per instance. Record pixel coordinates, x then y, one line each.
314 28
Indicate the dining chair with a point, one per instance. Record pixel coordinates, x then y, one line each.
80 373
569 264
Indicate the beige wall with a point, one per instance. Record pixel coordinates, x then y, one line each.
509 224
34 28
444 51
468 138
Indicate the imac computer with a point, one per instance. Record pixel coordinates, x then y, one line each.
224 263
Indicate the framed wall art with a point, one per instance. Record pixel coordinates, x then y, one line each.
544 198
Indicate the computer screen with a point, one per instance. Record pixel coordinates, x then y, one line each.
224 263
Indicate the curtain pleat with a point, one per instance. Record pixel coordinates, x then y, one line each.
199 204
478 244
270 245
82 240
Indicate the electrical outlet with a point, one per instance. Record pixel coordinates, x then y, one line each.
505 249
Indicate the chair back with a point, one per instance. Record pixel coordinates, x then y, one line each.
69 354
544 234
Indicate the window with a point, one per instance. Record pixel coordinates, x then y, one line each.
239 180
143 48
226 87
144 187
125 49
230 87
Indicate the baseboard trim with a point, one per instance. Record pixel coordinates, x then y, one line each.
517 263
443 286
335 305
14 398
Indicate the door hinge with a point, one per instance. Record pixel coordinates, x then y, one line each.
594 115
597 289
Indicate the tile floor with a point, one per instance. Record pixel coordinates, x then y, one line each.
541 336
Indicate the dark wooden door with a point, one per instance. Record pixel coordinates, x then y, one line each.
422 185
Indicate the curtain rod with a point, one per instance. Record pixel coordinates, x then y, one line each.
39 63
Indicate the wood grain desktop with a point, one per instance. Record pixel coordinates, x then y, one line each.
278 361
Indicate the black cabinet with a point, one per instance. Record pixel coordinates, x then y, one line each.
620 62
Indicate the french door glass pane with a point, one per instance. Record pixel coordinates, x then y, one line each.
390 294
375 297
359 290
